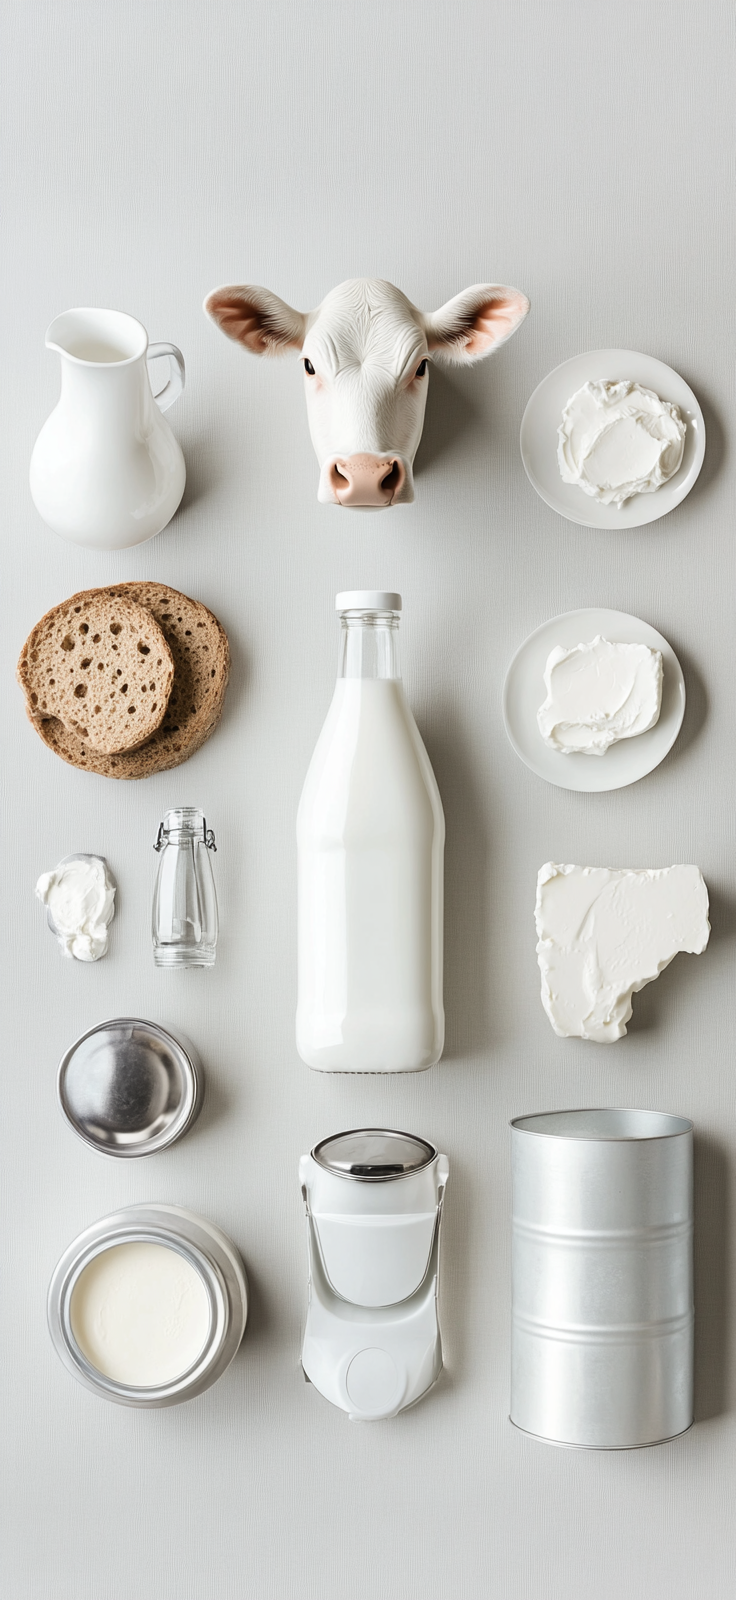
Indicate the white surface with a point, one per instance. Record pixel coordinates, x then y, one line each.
606 932
371 837
523 693
149 152
543 415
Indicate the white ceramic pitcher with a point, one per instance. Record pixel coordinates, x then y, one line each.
106 470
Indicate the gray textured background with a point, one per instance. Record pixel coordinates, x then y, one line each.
584 153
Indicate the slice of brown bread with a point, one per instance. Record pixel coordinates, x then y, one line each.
201 654
100 664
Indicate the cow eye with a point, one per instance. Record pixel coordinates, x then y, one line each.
421 369
308 367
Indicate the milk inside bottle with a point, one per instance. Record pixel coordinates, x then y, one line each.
370 837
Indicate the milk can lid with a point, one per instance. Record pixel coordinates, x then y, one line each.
373 1155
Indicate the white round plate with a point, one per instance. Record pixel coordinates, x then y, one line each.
543 416
524 692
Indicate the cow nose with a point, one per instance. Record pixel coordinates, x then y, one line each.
366 480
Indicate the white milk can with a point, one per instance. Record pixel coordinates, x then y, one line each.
106 470
374 1199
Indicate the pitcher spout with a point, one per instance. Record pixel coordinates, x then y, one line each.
95 337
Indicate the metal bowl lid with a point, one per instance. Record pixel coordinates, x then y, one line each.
373 1155
129 1088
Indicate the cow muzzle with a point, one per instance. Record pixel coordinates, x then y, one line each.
365 480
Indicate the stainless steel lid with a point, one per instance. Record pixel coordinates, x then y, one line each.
373 1155
130 1088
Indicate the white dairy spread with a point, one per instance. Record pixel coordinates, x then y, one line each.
603 934
80 897
598 693
617 439
140 1313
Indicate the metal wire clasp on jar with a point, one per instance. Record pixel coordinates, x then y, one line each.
602 1322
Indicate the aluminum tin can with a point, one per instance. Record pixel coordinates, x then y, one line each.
206 1248
602 1277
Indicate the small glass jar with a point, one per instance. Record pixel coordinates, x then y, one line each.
184 924
220 1274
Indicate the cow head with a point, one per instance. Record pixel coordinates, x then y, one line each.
366 352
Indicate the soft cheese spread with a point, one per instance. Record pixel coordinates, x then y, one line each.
604 933
80 897
598 693
617 439
140 1314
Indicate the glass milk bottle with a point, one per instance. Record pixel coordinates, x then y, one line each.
370 837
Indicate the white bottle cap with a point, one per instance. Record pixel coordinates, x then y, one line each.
367 600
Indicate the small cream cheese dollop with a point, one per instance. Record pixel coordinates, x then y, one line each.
604 933
598 693
617 439
80 898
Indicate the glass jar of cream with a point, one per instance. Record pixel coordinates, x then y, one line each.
148 1306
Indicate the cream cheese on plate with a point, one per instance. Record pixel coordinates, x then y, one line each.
80 899
618 439
604 933
598 693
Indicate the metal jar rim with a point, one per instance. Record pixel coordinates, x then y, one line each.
377 1177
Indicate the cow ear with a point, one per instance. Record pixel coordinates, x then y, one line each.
474 323
257 319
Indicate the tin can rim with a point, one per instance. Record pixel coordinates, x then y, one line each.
683 1125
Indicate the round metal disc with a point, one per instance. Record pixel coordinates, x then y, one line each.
129 1088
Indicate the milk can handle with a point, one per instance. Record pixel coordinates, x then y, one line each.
173 388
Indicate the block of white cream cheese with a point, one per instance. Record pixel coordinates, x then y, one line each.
617 439
604 933
598 693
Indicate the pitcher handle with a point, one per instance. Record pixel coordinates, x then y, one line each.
173 388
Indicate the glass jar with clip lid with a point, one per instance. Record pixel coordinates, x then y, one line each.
184 924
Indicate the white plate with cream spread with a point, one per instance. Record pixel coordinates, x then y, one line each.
524 691
543 416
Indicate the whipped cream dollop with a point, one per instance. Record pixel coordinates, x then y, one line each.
80 899
617 439
598 693
604 933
